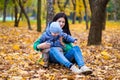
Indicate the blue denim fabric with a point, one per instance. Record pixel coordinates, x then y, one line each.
56 56
75 53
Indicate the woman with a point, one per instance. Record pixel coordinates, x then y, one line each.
69 53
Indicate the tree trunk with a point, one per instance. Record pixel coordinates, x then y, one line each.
115 10
86 14
50 11
4 11
17 19
74 13
16 12
80 17
26 16
39 16
74 17
98 10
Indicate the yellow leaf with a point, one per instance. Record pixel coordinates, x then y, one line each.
11 62
41 62
16 47
52 77
105 55
16 78
117 55
8 58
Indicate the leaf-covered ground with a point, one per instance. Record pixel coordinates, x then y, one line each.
18 60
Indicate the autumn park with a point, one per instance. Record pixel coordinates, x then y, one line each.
95 24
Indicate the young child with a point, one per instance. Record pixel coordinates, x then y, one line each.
53 36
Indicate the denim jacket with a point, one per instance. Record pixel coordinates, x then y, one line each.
55 40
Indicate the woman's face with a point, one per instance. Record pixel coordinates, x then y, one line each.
61 22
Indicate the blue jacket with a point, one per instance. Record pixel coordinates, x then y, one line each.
54 41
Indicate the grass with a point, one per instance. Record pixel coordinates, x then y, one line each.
109 24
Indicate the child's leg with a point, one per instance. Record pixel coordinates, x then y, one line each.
75 53
45 54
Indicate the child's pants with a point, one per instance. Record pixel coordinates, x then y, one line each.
45 54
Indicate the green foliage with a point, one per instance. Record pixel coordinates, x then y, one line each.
110 7
113 8
1 4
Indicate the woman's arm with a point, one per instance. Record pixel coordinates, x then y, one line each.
44 45
38 46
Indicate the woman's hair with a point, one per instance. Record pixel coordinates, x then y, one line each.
63 15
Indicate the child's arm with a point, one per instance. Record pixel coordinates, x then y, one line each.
61 41
68 38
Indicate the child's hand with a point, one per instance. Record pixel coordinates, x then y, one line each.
75 42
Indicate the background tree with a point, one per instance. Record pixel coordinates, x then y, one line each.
97 21
79 10
21 3
39 16
62 4
113 10
74 11
50 11
86 13
17 19
4 11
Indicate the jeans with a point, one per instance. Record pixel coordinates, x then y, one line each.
56 56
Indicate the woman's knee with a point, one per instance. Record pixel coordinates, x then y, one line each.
76 47
53 50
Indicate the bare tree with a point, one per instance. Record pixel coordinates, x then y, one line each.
17 19
98 20
86 13
39 16
74 11
21 2
4 11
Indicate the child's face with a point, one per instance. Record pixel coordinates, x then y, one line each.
55 34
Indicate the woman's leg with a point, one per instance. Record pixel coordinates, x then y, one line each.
55 55
75 53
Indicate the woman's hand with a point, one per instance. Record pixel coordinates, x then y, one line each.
44 45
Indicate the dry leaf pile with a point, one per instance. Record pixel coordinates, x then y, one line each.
18 60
